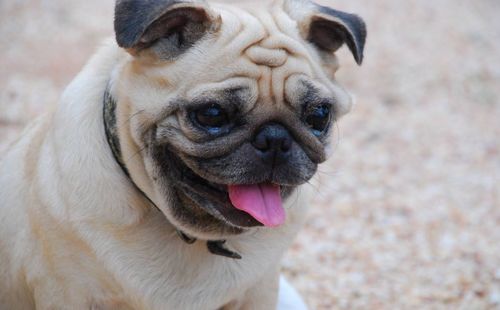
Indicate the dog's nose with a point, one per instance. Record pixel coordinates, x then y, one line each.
273 141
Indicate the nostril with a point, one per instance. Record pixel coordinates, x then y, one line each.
286 145
273 137
261 142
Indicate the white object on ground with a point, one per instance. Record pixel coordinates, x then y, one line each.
289 298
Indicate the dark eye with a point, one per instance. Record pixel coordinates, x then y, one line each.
319 119
211 117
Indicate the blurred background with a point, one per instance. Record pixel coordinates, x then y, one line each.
407 213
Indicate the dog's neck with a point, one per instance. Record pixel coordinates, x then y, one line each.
109 119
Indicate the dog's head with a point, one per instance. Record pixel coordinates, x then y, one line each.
227 109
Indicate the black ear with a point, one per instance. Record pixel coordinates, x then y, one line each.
327 28
170 26
330 29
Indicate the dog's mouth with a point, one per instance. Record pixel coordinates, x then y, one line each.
240 205
262 201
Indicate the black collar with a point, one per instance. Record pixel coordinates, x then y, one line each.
110 128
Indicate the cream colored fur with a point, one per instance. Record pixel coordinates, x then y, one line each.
75 234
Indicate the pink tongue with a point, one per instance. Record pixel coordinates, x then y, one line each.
262 201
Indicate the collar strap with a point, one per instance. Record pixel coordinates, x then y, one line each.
111 130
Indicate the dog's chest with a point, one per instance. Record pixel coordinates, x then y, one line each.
167 273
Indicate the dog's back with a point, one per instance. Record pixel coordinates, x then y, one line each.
17 165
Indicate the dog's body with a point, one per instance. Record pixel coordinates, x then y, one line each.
75 231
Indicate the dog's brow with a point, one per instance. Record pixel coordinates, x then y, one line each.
234 94
238 93
311 94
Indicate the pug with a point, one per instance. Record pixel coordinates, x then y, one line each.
173 173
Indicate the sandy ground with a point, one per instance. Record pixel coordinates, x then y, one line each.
407 214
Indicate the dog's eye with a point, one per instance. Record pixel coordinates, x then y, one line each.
212 117
319 119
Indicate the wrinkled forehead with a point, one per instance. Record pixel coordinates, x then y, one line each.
258 50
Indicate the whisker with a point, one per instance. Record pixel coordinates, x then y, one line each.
126 123
314 186
130 118
297 195
135 154
327 173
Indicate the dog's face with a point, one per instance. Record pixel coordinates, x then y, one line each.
229 109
